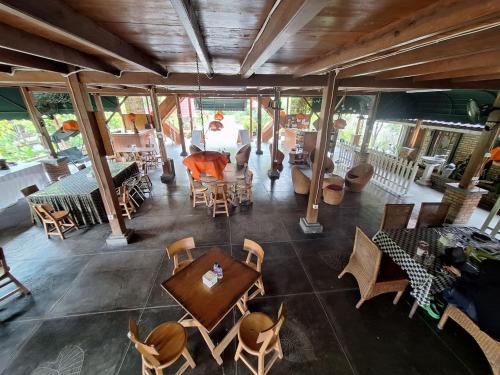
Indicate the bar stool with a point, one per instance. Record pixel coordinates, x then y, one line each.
219 199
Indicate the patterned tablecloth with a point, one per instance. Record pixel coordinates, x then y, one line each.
401 245
80 195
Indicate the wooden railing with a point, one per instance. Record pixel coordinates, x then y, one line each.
392 174
345 157
489 226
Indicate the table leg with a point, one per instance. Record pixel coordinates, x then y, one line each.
413 309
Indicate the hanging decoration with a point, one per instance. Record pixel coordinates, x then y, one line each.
301 116
219 116
70 126
339 123
132 117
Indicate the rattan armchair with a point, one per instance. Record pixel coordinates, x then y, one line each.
396 216
432 214
301 183
243 155
374 273
489 346
56 171
357 178
328 165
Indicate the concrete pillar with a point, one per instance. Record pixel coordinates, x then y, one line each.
310 224
273 172
94 145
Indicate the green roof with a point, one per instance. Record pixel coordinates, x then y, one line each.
12 105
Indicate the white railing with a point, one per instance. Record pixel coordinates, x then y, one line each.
392 174
344 157
489 226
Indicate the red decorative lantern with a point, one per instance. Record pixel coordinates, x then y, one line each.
215 126
339 123
70 126
301 116
132 116
219 116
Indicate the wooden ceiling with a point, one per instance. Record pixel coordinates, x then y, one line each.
375 44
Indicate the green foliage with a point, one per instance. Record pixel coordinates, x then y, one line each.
19 140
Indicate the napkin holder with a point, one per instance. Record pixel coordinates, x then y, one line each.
209 279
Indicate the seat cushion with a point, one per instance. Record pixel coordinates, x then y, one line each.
389 270
169 339
250 328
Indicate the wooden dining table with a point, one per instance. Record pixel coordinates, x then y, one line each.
206 307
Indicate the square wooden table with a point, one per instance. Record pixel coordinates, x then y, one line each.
207 307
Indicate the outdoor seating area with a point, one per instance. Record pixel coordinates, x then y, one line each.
249 188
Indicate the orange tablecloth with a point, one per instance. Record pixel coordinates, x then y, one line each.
209 162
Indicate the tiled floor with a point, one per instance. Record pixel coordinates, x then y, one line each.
84 293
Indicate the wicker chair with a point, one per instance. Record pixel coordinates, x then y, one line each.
56 171
333 194
489 346
357 178
432 214
396 216
243 155
376 274
301 183
328 167
6 278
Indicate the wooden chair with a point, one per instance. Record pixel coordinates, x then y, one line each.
258 335
198 191
163 347
489 346
55 171
219 199
374 273
124 201
432 214
244 187
301 183
177 248
26 192
255 251
357 177
144 182
55 223
6 278
396 216
194 148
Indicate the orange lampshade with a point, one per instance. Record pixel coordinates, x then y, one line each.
215 126
219 116
301 116
339 123
70 125
495 154
131 116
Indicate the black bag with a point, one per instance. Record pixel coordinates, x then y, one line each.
454 256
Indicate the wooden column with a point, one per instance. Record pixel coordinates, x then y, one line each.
103 129
251 120
37 121
482 151
181 125
357 134
414 134
369 125
310 224
94 145
190 102
259 125
273 172
168 171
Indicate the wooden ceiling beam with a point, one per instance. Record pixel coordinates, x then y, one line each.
477 60
403 84
24 77
5 69
439 17
460 73
56 16
21 41
486 77
188 19
286 19
9 57
460 46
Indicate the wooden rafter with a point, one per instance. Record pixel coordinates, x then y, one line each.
188 19
14 58
56 16
458 63
439 17
5 69
460 46
460 73
486 77
286 19
21 41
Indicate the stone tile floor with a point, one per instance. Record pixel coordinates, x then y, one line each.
83 292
